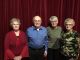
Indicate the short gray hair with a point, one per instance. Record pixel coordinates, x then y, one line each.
52 17
69 20
14 19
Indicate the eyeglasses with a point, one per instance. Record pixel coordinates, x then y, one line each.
69 24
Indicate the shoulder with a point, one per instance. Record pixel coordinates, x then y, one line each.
30 28
48 27
8 34
59 27
75 32
43 28
22 32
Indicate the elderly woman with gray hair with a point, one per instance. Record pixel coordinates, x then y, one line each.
54 35
15 44
70 46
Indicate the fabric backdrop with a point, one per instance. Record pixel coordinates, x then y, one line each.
26 9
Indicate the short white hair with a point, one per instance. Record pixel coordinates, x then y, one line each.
52 18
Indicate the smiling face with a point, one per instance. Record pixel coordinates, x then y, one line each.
37 21
69 24
15 23
54 23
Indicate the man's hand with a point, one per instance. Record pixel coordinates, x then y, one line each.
45 53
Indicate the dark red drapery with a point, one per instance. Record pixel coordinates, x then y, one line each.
26 9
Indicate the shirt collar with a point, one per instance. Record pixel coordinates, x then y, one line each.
38 28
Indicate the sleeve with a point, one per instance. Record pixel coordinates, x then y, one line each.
77 39
48 34
25 51
27 34
7 52
77 44
46 41
61 40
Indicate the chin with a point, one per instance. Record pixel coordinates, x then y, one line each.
37 26
54 26
16 29
68 29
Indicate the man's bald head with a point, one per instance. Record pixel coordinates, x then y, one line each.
37 21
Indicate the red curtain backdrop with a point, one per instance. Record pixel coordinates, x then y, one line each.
26 9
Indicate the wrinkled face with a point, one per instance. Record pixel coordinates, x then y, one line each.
15 25
69 25
54 23
37 22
